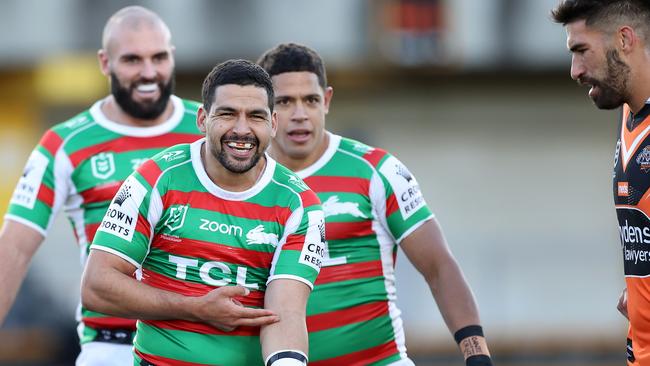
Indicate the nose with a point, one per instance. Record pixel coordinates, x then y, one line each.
241 127
299 113
148 70
577 68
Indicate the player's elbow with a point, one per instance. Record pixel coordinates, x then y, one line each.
91 289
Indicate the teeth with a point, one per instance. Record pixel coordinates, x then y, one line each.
147 87
241 145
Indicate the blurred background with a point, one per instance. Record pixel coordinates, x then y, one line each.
473 95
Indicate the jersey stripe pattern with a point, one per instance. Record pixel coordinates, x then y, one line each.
189 236
371 202
78 166
631 193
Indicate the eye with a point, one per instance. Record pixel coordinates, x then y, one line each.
131 59
258 118
224 115
160 57
313 100
282 101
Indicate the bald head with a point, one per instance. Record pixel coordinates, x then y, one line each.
132 19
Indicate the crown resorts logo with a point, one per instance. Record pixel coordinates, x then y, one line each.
123 195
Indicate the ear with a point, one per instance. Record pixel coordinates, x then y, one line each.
274 123
329 93
628 39
102 57
201 117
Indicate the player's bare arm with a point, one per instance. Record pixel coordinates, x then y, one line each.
427 249
288 298
108 286
18 243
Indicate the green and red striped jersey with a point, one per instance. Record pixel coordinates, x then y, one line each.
78 166
371 202
189 236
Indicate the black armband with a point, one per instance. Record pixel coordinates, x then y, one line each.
287 357
468 331
478 360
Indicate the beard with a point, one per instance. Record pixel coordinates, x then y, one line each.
141 110
614 86
234 164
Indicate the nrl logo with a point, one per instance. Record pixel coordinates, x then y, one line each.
333 207
297 182
176 217
258 236
643 159
102 165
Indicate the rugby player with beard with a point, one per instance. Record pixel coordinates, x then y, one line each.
610 53
79 164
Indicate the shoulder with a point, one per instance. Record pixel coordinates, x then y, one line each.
370 155
293 186
73 125
172 156
191 106
56 136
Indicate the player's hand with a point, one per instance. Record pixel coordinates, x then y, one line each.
622 303
220 309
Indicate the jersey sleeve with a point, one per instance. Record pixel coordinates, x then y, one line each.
126 229
299 254
397 198
43 186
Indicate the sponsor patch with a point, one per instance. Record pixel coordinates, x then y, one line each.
623 189
405 187
362 148
314 246
173 155
102 165
30 182
122 215
643 159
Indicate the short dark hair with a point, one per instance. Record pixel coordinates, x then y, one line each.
605 13
238 72
292 57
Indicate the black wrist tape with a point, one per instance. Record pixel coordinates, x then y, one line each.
468 331
286 354
478 360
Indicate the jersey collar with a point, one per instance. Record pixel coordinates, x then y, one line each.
333 145
134 131
199 169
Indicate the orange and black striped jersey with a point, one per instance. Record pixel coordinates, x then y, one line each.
632 200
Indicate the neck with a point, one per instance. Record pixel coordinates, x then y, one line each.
115 113
227 180
640 83
297 164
